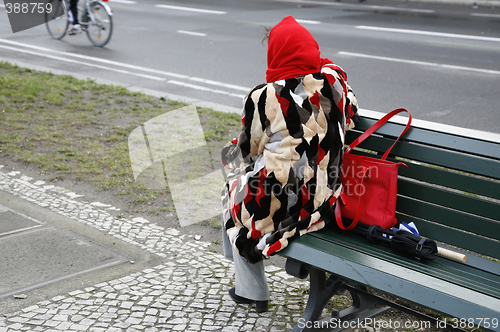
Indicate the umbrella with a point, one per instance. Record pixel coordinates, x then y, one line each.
406 240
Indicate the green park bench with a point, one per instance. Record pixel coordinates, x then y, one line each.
451 191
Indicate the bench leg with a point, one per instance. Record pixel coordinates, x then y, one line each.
362 307
364 304
321 291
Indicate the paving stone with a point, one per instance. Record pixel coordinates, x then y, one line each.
186 292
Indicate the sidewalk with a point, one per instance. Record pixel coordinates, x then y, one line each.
187 291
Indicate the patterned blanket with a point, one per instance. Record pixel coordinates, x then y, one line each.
283 169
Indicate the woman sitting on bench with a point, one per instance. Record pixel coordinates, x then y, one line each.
284 167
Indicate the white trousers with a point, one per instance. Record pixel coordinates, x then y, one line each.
250 279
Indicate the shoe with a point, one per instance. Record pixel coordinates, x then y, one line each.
75 29
238 299
260 306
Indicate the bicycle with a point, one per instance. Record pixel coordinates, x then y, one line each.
95 19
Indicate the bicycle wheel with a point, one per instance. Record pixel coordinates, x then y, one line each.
100 27
56 21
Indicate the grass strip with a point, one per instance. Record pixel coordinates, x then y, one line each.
77 130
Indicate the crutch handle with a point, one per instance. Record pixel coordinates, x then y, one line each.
451 255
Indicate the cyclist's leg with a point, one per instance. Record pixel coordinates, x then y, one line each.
73 7
73 11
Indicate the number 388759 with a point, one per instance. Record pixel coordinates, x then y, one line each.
28 8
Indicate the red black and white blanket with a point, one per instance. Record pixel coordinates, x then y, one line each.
284 168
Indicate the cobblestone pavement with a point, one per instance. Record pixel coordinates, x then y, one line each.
187 292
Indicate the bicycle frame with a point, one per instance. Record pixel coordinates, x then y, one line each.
87 4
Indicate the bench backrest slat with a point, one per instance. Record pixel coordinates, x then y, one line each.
436 156
435 138
454 236
448 178
450 199
452 218
459 181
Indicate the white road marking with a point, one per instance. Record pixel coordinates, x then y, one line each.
359 7
65 56
226 85
81 63
429 33
189 9
422 63
485 15
130 2
411 10
81 56
192 33
308 21
203 88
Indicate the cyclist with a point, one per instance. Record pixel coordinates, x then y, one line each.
73 18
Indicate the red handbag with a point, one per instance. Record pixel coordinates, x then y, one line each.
369 185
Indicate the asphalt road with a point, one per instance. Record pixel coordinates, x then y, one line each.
442 62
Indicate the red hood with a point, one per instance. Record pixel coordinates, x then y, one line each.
292 52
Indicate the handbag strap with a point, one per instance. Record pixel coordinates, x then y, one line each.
376 126
338 215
